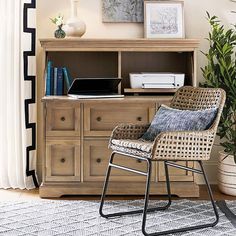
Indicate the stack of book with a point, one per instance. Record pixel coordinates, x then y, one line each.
57 80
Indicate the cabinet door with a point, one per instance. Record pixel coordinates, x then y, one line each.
96 158
176 174
100 120
62 120
63 160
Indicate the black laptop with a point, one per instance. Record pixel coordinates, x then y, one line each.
89 88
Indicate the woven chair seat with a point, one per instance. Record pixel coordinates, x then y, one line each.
135 147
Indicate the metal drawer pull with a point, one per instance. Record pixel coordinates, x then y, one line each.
139 118
63 160
63 118
99 118
99 160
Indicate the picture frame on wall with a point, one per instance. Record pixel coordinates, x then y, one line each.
164 19
122 11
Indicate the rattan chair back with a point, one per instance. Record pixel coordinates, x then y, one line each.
191 98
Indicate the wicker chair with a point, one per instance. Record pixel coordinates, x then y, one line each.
168 147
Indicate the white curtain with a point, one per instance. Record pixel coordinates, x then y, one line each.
17 94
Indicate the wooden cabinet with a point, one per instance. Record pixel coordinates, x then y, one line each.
101 120
97 155
62 160
77 164
62 120
75 134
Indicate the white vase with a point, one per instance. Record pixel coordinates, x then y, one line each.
74 26
227 174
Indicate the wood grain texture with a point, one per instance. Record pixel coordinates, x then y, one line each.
77 131
62 121
97 157
181 189
101 120
81 44
63 160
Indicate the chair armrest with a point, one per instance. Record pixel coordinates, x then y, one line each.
129 131
183 145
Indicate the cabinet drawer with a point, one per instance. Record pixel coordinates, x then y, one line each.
176 174
62 160
97 154
100 120
62 121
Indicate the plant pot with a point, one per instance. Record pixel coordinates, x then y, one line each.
227 174
60 33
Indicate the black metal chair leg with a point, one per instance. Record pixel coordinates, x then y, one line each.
192 227
128 212
146 210
105 185
211 196
146 197
167 184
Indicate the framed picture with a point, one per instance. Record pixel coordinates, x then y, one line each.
117 11
164 19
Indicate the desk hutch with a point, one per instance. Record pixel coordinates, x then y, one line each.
76 132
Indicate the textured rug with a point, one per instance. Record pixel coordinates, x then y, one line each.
45 217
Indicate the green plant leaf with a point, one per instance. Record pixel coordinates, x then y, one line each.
220 71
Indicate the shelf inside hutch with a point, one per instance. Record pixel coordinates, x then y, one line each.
100 64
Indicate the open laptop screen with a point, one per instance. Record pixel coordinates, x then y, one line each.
94 86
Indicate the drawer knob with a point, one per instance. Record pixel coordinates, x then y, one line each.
63 118
139 118
99 160
139 161
63 160
99 118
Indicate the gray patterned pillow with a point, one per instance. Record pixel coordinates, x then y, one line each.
170 119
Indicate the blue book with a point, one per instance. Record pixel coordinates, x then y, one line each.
55 81
48 78
60 82
67 78
52 81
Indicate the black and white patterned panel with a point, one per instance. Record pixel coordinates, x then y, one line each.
29 71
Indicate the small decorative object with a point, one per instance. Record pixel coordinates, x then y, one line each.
164 19
59 33
220 72
122 11
74 26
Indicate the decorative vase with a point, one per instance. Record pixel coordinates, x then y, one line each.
60 33
227 174
74 26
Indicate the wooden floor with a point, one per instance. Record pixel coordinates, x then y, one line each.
34 195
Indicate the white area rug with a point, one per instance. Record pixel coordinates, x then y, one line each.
46 217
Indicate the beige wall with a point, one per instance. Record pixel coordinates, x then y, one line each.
90 12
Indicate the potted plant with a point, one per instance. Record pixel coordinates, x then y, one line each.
59 22
220 71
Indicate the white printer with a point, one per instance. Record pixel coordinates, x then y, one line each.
157 80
